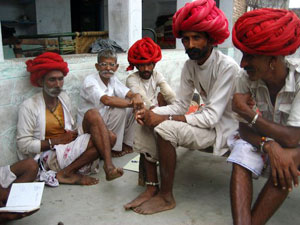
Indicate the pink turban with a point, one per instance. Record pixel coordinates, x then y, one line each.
142 52
267 32
44 63
201 16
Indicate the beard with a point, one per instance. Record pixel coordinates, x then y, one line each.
197 53
145 74
52 92
106 73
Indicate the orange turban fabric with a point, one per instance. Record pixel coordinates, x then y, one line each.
142 52
201 16
267 32
44 63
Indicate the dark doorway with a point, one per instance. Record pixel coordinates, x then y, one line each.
87 15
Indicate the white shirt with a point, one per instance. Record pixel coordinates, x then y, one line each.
93 89
148 88
287 104
214 80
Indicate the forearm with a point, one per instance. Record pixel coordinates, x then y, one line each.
114 101
285 135
249 135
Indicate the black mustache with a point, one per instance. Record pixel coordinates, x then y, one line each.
193 51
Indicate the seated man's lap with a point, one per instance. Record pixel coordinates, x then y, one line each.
245 155
185 135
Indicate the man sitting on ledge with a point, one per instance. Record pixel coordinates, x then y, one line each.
46 129
268 102
201 26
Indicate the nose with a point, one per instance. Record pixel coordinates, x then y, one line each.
58 83
148 67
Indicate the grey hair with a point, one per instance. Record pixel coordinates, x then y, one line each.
107 53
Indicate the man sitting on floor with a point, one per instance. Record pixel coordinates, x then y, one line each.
201 26
268 103
45 128
20 172
144 54
115 102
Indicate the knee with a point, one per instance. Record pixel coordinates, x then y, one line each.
92 116
31 167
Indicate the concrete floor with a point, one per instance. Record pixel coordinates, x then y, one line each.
201 190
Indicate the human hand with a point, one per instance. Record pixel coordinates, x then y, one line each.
137 102
284 169
139 116
242 103
5 216
65 138
152 119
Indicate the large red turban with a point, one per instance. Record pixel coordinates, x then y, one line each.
267 32
44 63
142 52
201 16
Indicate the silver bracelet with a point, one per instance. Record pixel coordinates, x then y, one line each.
50 144
152 183
253 121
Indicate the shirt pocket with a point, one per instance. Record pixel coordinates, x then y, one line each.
285 110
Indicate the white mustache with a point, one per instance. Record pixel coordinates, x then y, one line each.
107 72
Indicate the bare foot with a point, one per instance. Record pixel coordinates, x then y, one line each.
113 173
156 204
75 178
116 154
143 197
126 149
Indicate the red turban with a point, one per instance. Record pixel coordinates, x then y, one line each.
201 16
44 63
142 52
267 32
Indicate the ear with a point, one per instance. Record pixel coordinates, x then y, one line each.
97 66
117 66
154 64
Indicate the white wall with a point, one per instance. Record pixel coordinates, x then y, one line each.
53 16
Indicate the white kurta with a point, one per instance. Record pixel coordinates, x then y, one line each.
214 80
118 120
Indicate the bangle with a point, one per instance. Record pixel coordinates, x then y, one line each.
253 121
263 140
50 144
170 117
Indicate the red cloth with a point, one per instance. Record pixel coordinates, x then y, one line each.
44 63
267 32
142 52
201 16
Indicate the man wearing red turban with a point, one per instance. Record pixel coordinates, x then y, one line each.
144 54
200 25
268 104
46 128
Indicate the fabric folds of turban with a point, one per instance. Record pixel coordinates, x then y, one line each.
267 31
44 63
142 52
201 16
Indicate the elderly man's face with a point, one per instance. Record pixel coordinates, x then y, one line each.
145 70
196 44
53 82
256 66
107 67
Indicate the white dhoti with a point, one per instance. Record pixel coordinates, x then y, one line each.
6 176
64 155
120 121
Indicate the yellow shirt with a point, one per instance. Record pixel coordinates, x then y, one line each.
55 122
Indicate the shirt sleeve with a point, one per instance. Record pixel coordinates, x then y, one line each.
91 91
133 83
218 99
120 89
185 94
165 89
27 122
